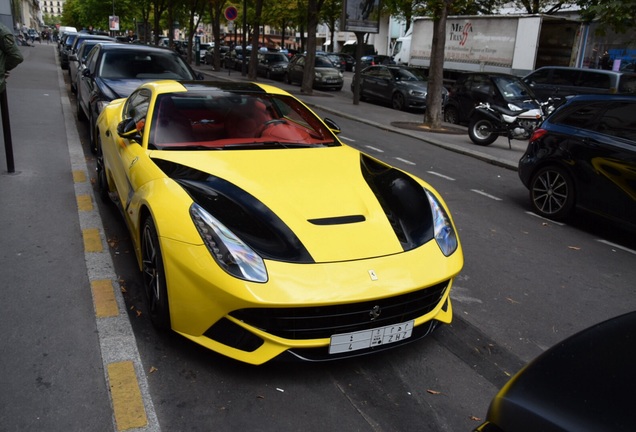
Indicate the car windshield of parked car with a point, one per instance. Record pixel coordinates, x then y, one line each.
223 120
324 62
128 64
276 58
512 88
404 74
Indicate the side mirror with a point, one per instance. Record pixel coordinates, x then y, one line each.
127 129
332 125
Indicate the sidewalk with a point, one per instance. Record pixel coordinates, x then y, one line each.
60 357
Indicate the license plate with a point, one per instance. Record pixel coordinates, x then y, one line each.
347 342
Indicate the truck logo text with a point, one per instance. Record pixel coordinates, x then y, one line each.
459 32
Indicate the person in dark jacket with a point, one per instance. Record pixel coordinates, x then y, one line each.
10 55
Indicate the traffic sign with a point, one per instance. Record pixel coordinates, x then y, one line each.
231 13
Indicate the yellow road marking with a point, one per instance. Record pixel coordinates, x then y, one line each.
127 402
84 203
104 298
79 176
92 241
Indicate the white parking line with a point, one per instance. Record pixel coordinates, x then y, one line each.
486 195
614 245
375 149
405 161
440 175
346 138
545 219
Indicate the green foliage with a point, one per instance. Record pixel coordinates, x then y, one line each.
615 14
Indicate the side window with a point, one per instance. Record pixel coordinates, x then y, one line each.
594 80
563 77
619 121
91 60
137 107
538 77
582 116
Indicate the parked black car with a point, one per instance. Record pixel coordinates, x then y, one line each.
400 86
114 70
65 48
499 89
584 155
209 55
326 75
77 61
272 65
372 60
584 383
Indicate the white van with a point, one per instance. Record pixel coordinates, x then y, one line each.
67 29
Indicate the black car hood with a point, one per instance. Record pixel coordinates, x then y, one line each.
584 383
120 88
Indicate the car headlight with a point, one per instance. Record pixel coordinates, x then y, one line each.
417 93
444 233
340 74
232 254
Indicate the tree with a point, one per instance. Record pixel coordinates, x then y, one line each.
433 114
617 15
217 7
330 13
541 6
313 11
258 8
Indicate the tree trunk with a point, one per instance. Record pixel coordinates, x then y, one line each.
433 116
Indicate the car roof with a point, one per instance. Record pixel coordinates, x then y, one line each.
132 47
602 71
602 97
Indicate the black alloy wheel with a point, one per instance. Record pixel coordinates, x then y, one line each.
398 102
155 289
552 193
102 180
451 115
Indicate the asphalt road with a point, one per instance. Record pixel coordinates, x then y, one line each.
527 284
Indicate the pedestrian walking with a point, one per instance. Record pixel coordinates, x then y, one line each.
10 57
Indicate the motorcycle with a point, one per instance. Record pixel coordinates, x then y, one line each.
488 122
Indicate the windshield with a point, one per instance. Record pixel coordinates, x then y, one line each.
322 61
513 88
224 120
133 64
408 74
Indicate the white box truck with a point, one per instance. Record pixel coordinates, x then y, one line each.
515 44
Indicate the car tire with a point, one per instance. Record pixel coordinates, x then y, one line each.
102 179
154 278
451 115
481 132
398 102
552 193
80 112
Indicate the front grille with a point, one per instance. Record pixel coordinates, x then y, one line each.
324 321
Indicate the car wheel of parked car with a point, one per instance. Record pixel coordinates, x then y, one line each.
156 292
481 132
288 79
80 113
397 101
92 127
451 115
102 180
552 193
